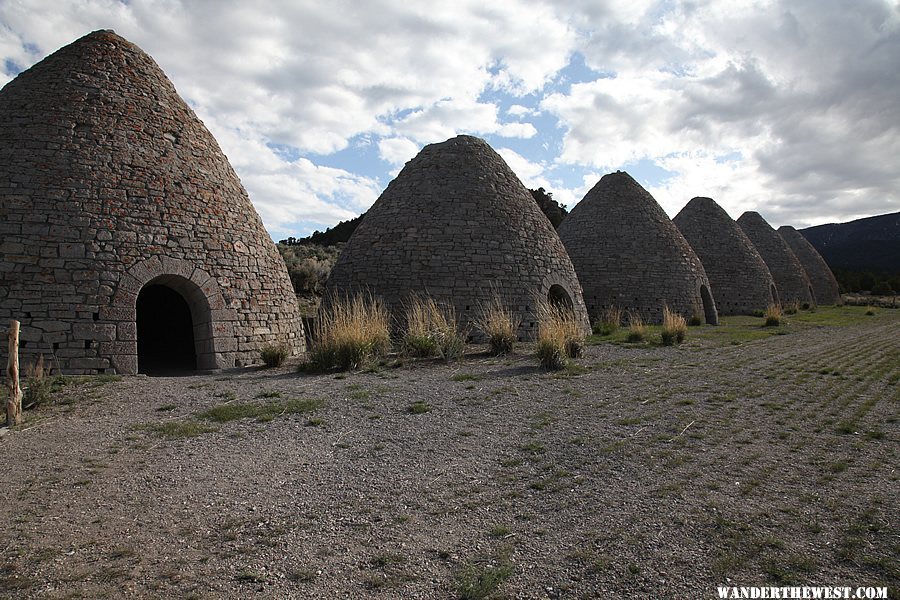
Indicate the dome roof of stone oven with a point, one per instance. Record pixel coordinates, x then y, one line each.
629 254
790 278
737 273
110 184
457 224
824 285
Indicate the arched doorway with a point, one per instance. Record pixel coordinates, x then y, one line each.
560 298
709 307
774 292
165 332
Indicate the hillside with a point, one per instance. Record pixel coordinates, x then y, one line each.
870 244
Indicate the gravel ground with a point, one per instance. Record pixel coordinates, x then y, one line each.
645 472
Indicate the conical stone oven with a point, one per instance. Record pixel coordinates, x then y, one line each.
737 273
628 254
129 243
458 225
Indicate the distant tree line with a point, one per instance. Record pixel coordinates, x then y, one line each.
878 283
341 232
309 260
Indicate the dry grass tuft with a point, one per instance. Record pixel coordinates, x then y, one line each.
432 329
773 315
674 327
791 308
559 335
637 331
350 333
609 321
499 324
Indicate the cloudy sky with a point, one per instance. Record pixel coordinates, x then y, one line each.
788 108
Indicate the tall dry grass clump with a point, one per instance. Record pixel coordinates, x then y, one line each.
609 321
499 323
674 327
560 336
791 308
637 331
350 333
432 329
773 315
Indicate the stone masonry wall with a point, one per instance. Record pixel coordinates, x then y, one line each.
629 254
739 277
790 278
108 181
457 224
824 285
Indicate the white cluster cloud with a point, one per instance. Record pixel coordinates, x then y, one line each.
788 108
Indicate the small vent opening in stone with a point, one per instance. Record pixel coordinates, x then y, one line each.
165 332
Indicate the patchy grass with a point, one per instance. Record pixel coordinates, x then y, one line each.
466 377
174 430
419 407
261 411
479 580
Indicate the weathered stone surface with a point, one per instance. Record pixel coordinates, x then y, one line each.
739 277
824 285
457 224
108 182
790 278
629 254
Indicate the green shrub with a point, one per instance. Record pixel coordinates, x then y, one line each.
274 354
882 288
608 322
350 333
308 265
499 324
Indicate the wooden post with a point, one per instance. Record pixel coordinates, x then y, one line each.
14 401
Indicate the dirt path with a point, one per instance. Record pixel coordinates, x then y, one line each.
649 472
